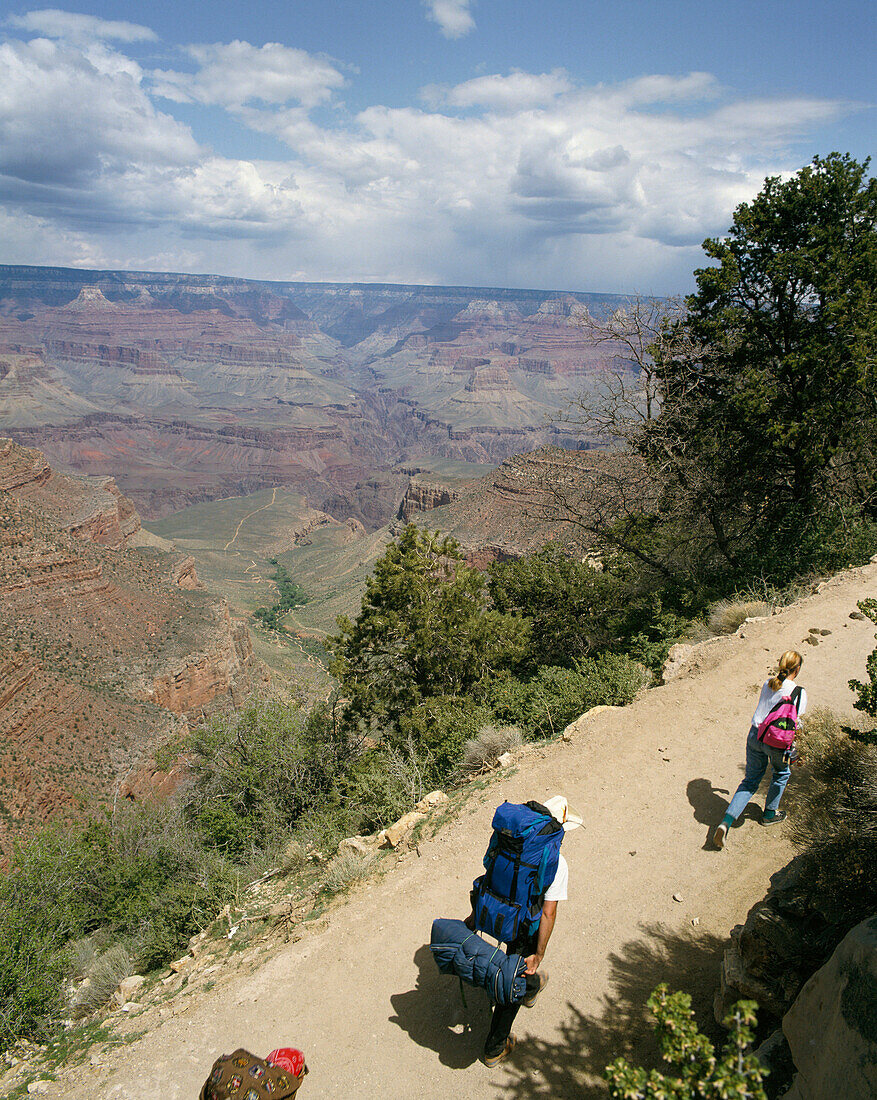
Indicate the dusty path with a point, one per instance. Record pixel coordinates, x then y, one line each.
255 511
363 998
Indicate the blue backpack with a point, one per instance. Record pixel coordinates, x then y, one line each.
520 865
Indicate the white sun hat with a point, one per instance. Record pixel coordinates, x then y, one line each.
559 809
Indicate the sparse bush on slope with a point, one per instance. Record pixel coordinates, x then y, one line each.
835 823
482 752
866 693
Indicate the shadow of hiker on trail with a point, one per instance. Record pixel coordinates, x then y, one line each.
435 1017
710 803
574 1066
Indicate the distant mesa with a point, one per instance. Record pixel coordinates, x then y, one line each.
90 299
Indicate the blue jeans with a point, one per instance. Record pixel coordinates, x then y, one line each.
758 756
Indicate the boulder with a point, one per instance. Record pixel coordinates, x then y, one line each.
430 801
183 965
832 1026
506 760
364 845
128 988
393 836
677 658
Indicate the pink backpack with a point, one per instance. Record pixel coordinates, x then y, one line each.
779 727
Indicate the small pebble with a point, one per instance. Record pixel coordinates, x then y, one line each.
678 897
632 853
695 921
857 615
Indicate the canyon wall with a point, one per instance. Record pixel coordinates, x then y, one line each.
105 648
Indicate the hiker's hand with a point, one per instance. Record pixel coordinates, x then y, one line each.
532 962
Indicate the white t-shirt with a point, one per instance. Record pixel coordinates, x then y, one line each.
769 699
557 890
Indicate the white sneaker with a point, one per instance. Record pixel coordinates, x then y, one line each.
719 836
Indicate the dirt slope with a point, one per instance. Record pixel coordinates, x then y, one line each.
363 998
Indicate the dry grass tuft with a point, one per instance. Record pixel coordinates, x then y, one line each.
348 868
102 980
482 752
727 615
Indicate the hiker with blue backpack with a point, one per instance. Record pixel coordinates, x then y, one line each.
771 740
515 903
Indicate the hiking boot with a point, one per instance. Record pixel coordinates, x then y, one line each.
495 1059
774 818
721 831
530 999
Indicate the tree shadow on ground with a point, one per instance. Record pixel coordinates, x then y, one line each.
434 1015
574 1065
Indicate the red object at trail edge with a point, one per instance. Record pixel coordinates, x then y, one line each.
287 1058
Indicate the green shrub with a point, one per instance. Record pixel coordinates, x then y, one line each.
699 1071
546 703
41 908
378 789
568 603
257 771
439 726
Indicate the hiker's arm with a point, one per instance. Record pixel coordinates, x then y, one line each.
546 927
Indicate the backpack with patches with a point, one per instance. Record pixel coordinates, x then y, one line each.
779 727
520 864
244 1076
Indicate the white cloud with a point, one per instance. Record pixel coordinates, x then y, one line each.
238 73
453 16
522 179
54 23
67 115
516 92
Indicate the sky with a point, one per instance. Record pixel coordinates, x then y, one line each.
558 145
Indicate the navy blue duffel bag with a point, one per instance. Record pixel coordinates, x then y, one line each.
457 950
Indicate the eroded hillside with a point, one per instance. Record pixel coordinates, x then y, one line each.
105 647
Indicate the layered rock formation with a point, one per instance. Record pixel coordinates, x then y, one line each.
104 648
423 498
188 388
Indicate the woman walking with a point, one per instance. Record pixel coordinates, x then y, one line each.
759 753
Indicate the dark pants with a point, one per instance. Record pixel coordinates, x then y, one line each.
504 1015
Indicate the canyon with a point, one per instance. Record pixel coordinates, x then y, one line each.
189 388
109 644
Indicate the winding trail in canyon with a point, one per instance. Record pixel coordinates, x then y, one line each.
361 995
254 512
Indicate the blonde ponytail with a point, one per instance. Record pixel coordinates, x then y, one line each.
789 663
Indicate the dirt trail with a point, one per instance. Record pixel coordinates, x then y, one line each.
363 998
244 519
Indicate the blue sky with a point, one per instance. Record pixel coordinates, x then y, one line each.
555 145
